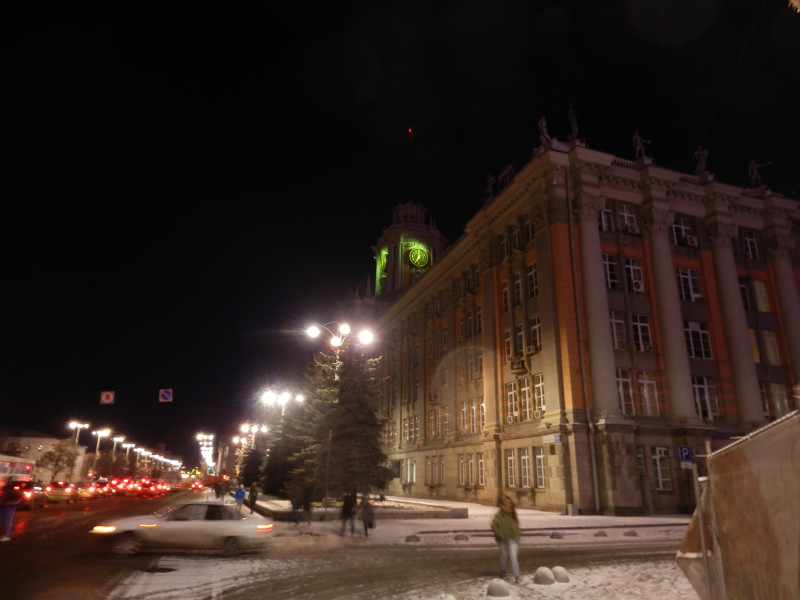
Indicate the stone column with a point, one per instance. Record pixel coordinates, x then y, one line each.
677 372
789 301
605 395
734 320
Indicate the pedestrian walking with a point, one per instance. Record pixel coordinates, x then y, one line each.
9 498
239 496
367 514
307 503
252 498
505 526
349 512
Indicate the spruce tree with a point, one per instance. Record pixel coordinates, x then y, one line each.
342 448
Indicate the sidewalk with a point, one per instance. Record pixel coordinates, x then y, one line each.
435 521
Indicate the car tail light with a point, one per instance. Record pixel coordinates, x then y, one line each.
28 494
49 488
265 528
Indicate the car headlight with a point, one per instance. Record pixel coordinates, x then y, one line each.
104 529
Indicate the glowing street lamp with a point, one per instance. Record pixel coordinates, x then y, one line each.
253 430
100 433
77 427
343 331
281 399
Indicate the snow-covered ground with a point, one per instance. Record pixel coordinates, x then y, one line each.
179 577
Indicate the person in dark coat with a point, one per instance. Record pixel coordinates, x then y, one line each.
349 512
367 514
252 498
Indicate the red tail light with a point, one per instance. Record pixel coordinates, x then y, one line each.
28 494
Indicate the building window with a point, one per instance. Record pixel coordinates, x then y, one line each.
762 298
538 392
464 421
541 479
511 401
508 346
533 281
750 244
481 470
471 469
605 220
779 399
527 230
462 470
478 319
611 271
519 331
625 390
689 285
754 345
627 218
473 416
517 289
505 294
525 398
442 469
524 468
648 393
511 480
503 247
641 333
634 275
698 340
482 407
659 459
745 292
705 398
680 230
535 339
771 348
618 337
515 238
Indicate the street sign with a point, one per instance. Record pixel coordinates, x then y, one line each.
106 397
685 452
165 395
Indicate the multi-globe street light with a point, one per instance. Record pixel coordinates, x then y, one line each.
77 427
274 399
343 331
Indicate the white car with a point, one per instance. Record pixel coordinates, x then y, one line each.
205 526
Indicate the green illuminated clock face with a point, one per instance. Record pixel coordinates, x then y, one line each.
418 257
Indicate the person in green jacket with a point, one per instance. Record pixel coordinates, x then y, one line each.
505 527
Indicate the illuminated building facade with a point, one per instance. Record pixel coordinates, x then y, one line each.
600 322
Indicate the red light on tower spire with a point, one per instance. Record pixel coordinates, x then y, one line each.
410 134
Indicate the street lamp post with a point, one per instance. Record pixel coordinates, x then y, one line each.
100 433
127 452
77 427
116 440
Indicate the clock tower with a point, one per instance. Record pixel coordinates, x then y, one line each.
408 248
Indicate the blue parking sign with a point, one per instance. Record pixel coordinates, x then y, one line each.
685 452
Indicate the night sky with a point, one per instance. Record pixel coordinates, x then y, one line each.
180 197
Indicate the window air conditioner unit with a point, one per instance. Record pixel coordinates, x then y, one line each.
691 240
648 348
638 285
510 418
537 414
528 349
631 228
